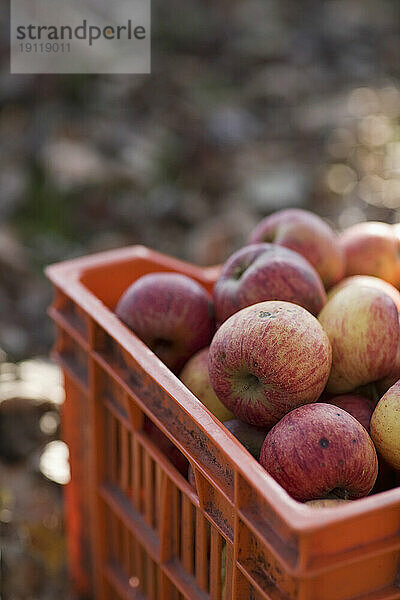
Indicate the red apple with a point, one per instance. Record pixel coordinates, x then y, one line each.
307 234
320 450
362 325
368 280
267 359
360 407
266 272
372 248
171 313
195 376
385 426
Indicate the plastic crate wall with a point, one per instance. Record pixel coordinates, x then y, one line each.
137 528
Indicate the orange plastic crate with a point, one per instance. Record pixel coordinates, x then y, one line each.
137 528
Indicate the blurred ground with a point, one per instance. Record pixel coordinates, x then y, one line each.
33 466
251 106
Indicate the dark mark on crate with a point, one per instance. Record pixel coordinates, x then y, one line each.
134 381
261 571
193 440
219 519
265 573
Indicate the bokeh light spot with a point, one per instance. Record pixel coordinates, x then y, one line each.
341 179
371 189
49 423
54 462
375 130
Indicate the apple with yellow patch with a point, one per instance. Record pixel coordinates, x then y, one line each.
372 248
327 502
369 281
195 377
362 325
385 426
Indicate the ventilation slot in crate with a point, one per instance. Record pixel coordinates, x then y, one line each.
165 446
199 554
128 562
70 315
119 467
73 358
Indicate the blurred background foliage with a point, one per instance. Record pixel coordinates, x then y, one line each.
251 106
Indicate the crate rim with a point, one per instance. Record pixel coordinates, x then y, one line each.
67 276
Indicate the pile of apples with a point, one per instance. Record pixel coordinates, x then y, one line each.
297 351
